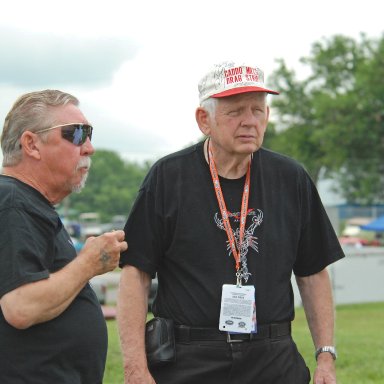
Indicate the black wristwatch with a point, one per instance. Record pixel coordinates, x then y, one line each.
326 348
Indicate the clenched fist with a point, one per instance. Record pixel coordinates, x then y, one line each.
102 253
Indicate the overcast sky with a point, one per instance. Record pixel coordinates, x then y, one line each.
135 65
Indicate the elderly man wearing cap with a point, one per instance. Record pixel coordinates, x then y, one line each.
224 223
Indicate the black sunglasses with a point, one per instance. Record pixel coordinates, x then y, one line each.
74 133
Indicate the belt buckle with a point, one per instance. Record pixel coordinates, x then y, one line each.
230 340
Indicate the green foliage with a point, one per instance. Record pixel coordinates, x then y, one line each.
333 121
358 339
359 348
114 366
111 187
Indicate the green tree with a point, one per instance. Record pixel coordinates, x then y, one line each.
294 131
333 120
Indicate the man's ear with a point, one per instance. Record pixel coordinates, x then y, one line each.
30 144
203 121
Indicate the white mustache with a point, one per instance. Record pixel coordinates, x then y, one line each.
84 162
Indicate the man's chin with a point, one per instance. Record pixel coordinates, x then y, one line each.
78 187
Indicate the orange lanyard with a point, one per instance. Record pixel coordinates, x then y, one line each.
223 208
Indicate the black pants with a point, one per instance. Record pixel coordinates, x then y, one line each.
266 361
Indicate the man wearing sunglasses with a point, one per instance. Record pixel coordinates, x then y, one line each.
52 329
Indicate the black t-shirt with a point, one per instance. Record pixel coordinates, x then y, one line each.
175 229
70 348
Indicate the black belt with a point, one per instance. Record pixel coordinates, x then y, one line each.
183 333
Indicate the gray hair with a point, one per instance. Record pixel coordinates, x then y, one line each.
30 112
210 105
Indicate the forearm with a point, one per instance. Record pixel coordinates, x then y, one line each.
316 294
131 318
45 299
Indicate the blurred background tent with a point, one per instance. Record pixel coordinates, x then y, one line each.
376 225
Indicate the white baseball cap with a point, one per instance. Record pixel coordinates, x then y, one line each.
229 78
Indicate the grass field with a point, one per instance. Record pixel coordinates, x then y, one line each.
359 339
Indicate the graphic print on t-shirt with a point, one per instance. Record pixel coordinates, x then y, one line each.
249 241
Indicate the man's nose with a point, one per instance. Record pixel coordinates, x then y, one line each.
87 148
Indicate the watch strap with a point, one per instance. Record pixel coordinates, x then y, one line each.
327 348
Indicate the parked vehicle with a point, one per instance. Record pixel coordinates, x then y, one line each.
101 291
90 224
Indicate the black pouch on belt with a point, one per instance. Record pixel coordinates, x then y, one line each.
160 341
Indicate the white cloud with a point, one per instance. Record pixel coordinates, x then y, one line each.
39 59
135 65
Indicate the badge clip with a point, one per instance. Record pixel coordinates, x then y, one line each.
238 278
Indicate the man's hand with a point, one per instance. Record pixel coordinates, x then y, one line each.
102 253
325 373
